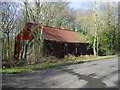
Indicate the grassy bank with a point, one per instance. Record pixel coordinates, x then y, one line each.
52 63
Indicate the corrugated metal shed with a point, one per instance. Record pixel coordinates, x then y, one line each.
55 34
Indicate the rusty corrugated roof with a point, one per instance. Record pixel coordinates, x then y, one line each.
61 35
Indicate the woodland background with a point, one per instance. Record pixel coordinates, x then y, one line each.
98 23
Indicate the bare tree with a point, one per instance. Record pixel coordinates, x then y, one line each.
8 25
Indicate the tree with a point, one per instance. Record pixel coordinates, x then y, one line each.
98 19
53 14
7 27
109 29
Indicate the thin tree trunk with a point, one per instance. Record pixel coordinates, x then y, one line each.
97 45
3 50
8 52
94 44
26 46
22 49
42 47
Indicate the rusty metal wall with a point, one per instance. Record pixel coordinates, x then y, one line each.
71 48
58 49
82 49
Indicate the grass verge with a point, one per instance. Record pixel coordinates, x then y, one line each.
52 64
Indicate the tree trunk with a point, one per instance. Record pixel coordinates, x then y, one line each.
97 45
8 52
26 46
42 41
94 44
22 49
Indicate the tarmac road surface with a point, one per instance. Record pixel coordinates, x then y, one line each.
95 74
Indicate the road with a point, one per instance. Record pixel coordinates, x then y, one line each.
95 74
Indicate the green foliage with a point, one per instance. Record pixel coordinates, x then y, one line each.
107 43
37 38
99 23
89 39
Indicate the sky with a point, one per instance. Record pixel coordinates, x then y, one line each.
76 5
65 0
